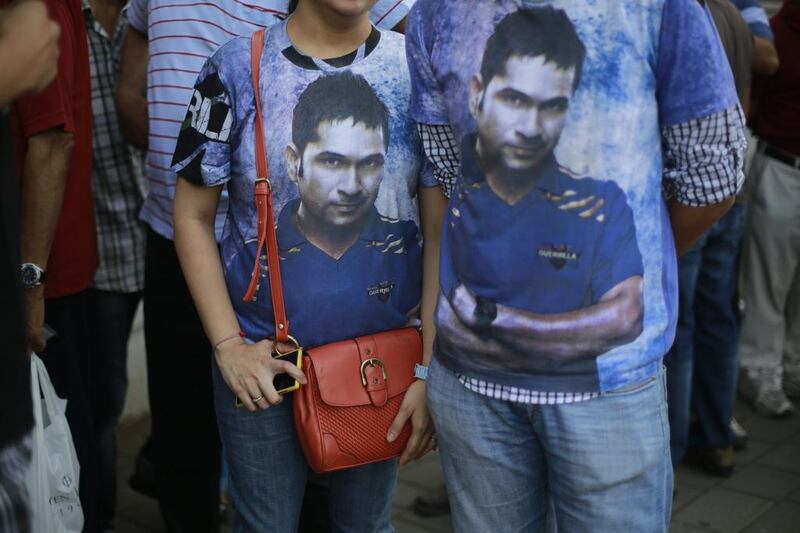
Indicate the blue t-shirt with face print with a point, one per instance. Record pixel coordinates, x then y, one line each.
558 265
345 167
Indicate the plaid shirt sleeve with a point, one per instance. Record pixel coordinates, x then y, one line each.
704 158
441 150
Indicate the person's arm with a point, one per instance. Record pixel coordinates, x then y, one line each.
701 120
28 49
44 179
248 369
689 223
703 171
615 320
414 407
131 95
765 57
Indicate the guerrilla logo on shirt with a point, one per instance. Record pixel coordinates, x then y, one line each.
558 255
382 290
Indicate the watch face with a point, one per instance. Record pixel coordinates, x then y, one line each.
31 276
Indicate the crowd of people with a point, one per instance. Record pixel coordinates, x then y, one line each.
554 195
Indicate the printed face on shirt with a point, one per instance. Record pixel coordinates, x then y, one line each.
520 113
338 175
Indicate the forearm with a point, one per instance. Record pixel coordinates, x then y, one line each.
765 57
197 251
131 95
689 223
44 179
582 333
432 207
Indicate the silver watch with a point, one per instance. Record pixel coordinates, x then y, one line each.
421 372
32 275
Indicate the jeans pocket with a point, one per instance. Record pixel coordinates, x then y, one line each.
633 388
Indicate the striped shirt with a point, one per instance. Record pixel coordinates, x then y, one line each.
755 17
182 35
118 183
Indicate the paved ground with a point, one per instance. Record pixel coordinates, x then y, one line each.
762 496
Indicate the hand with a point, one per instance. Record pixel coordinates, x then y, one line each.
34 320
458 337
30 39
249 369
423 434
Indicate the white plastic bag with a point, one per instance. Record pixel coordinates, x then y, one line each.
53 478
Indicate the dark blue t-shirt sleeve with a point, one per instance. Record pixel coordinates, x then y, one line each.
693 77
203 149
755 17
618 257
427 99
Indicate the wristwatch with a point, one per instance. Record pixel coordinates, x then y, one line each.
32 275
421 372
485 312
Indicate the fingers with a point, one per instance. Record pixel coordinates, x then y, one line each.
257 394
399 421
267 389
243 398
285 367
248 377
430 443
411 448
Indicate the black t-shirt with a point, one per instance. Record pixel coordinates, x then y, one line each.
16 414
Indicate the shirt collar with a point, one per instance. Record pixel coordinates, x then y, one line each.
289 235
550 176
88 14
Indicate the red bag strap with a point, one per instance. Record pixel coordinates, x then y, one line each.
266 219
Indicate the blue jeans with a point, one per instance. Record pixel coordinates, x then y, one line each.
268 474
702 364
603 462
110 320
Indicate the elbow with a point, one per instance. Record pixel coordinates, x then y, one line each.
772 65
765 57
767 65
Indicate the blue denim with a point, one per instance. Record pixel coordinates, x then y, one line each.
268 474
110 319
604 463
702 364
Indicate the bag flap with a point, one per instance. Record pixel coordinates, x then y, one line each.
337 366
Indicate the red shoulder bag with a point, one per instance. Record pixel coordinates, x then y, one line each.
355 386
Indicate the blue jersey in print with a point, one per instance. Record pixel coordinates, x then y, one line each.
558 266
344 162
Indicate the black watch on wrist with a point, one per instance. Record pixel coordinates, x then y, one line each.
485 312
32 275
